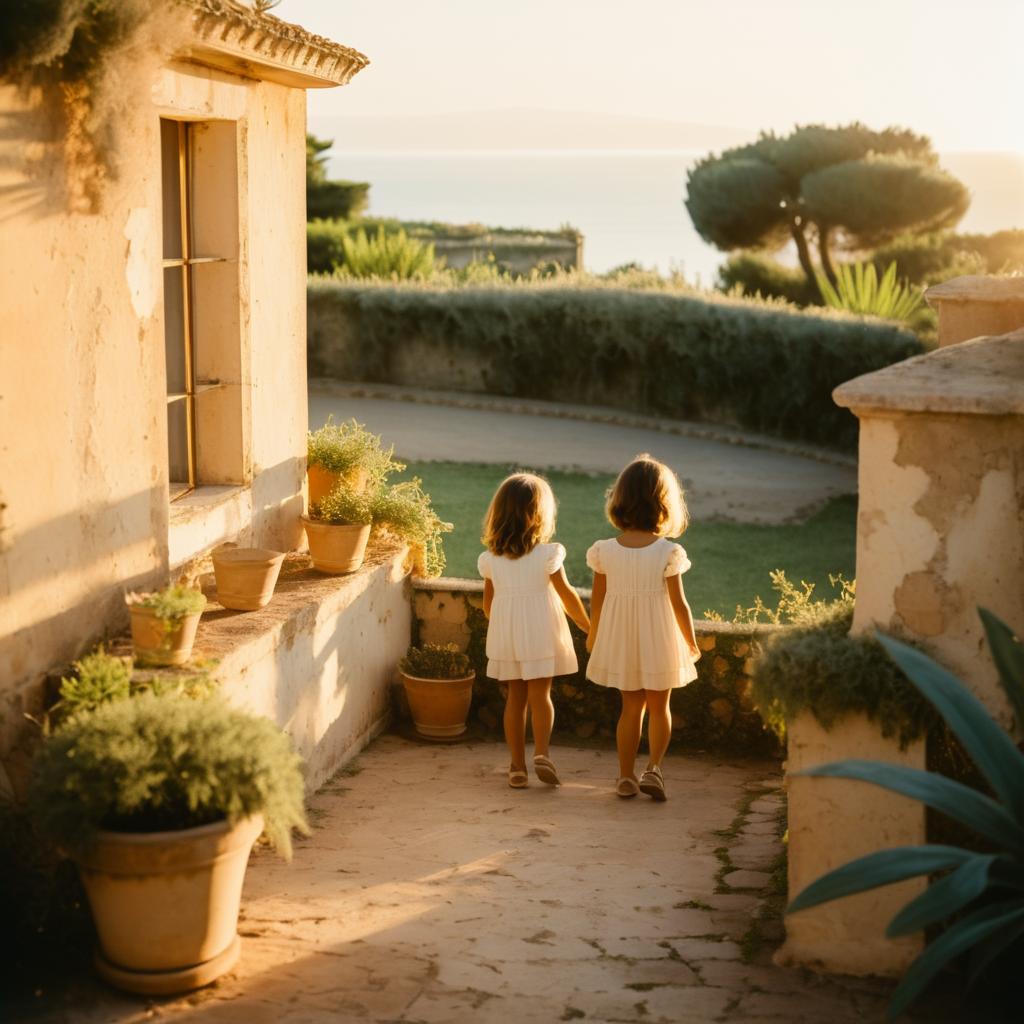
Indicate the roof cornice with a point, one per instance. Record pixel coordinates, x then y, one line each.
230 35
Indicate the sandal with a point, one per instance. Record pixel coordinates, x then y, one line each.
546 770
517 778
626 787
653 784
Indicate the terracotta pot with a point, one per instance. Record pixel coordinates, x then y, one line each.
162 641
439 706
333 548
323 481
165 904
246 577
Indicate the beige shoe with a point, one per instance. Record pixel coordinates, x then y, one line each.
517 778
626 787
546 770
653 784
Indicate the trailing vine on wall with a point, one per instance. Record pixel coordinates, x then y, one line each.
62 53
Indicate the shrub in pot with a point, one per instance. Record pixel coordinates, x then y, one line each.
438 682
159 799
345 453
246 577
164 624
337 530
100 678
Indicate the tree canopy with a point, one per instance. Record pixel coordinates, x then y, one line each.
326 198
848 185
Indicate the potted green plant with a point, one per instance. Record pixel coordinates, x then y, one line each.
345 453
158 799
164 624
246 577
404 510
337 529
438 681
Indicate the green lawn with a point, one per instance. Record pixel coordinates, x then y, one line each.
731 561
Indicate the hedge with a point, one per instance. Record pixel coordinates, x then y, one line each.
685 355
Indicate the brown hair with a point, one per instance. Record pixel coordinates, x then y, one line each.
647 496
521 516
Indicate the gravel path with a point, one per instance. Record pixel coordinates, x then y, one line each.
728 475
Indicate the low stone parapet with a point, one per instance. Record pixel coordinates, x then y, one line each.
713 713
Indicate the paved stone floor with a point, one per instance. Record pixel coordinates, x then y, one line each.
727 475
431 892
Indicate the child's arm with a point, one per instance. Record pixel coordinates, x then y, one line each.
488 596
681 610
570 600
596 601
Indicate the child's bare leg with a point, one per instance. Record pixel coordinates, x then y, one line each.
542 714
659 723
515 722
627 732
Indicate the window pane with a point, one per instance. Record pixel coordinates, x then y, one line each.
177 444
171 189
174 330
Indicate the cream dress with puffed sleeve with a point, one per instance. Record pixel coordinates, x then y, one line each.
639 645
528 634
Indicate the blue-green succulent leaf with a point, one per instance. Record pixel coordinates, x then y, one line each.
944 897
1008 654
880 868
966 933
960 802
989 745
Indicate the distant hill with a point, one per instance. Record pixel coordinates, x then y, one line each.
522 129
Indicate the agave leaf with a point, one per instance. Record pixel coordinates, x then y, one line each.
880 868
1008 654
959 802
966 933
988 949
943 897
989 746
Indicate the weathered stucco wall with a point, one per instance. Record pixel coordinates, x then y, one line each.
84 511
940 531
320 658
832 821
973 307
713 713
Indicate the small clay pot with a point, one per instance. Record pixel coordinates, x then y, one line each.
162 641
439 706
336 549
246 577
323 481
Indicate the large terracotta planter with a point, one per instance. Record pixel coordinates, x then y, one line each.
162 641
439 706
246 577
336 549
323 481
165 904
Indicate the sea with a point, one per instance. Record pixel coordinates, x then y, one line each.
629 205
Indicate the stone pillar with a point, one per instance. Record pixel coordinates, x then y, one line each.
970 307
940 531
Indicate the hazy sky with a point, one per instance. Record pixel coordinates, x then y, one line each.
949 68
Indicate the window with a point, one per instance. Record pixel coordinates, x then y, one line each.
201 297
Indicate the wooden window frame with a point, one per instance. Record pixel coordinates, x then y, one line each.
186 262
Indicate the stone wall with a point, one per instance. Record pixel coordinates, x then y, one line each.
714 713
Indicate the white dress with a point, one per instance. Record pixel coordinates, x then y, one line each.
639 645
528 635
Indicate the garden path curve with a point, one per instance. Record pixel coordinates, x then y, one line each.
728 474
